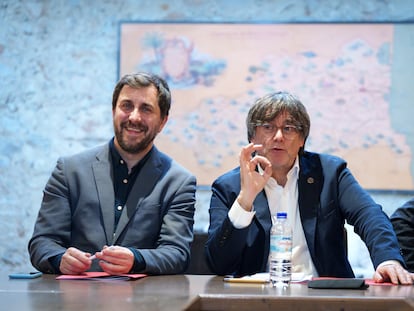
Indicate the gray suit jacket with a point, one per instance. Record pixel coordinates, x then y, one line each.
78 211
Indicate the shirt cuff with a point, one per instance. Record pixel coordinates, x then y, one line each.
55 263
239 217
139 261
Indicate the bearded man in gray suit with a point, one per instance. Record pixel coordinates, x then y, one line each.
123 207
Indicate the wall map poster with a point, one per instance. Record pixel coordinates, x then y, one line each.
354 79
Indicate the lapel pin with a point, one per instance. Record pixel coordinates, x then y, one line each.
310 180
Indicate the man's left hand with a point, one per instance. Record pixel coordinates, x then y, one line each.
115 259
394 273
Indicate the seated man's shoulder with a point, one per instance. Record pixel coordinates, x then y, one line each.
231 177
324 158
404 211
172 165
88 154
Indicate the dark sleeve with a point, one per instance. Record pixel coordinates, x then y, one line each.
230 250
55 262
403 222
223 253
139 261
52 231
358 208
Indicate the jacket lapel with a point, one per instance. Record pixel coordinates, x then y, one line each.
104 185
143 186
265 220
262 211
310 186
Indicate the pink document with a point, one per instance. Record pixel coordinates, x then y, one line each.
100 276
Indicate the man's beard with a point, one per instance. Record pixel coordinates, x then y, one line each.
135 147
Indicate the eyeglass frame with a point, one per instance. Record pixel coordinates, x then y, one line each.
274 129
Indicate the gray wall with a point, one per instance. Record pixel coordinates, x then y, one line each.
58 66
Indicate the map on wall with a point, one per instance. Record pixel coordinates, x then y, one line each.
356 81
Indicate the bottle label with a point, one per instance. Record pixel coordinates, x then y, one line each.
280 244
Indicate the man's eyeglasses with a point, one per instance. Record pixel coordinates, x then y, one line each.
288 131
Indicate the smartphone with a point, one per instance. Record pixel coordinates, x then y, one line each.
25 275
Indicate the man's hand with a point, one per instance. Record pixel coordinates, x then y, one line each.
115 259
252 182
394 273
74 261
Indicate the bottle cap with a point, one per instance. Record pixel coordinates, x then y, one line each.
281 215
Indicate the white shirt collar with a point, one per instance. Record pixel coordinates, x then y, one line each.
292 175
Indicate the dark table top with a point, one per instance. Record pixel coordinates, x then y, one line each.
191 292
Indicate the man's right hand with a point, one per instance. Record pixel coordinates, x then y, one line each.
252 181
74 261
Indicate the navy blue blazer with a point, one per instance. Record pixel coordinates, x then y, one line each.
329 195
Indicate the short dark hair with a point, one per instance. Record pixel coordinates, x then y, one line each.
144 79
268 107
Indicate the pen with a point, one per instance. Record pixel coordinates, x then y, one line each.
94 256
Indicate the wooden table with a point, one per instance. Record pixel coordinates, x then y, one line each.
191 292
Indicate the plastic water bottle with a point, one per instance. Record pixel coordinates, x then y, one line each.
280 264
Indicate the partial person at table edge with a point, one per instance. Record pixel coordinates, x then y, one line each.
402 220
